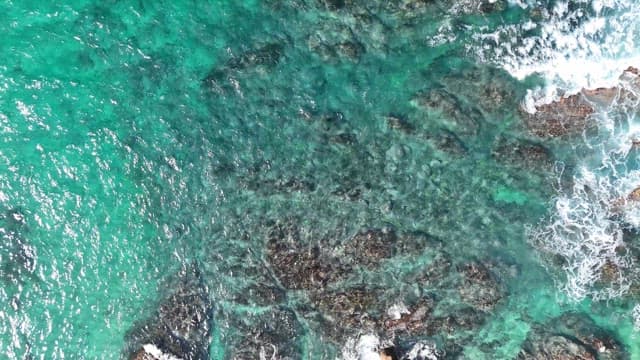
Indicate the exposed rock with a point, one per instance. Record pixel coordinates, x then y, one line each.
522 153
272 334
415 350
180 327
464 119
567 116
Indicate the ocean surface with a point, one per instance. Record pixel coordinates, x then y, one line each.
142 138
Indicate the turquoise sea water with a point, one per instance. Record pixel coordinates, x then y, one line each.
138 136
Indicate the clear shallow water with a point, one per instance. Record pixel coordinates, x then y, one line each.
138 136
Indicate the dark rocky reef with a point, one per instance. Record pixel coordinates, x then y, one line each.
522 153
573 337
460 117
268 334
180 326
348 311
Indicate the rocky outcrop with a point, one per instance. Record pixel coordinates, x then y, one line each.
566 116
181 325
571 115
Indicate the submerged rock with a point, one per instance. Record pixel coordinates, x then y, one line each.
351 310
299 266
567 116
522 153
480 288
181 325
571 336
447 141
265 56
271 334
400 123
464 119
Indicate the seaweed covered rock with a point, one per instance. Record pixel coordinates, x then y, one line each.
270 334
347 311
369 246
571 336
181 325
298 266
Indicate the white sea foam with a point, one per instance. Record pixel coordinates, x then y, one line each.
584 44
158 354
364 347
635 314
